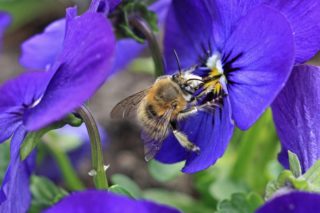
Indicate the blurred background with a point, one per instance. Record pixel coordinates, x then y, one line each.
249 163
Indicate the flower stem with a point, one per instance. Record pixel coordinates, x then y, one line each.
99 177
142 26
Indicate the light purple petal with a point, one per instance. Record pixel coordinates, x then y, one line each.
86 62
258 57
127 49
294 202
15 194
5 20
296 114
40 51
211 131
100 201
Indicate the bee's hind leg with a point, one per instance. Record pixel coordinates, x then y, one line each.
183 139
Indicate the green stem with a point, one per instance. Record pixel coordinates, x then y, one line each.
99 177
65 166
143 27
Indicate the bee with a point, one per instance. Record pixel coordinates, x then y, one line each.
159 108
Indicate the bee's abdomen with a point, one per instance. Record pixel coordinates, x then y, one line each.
149 121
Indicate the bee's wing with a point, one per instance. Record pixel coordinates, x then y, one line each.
153 139
128 106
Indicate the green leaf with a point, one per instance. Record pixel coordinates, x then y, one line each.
271 188
120 190
30 142
294 162
164 172
223 188
73 120
4 158
33 138
312 176
256 149
128 184
240 203
44 193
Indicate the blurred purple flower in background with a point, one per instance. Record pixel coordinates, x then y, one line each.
296 113
293 202
252 54
100 201
5 20
76 143
35 99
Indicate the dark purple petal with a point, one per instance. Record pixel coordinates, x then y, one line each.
103 6
86 62
211 131
188 27
258 57
8 125
296 114
304 18
101 201
15 194
23 90
40 51
16 96
303 15
294 202
283 157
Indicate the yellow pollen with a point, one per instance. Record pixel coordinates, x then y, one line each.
215 84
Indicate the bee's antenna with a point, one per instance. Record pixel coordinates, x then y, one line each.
178 61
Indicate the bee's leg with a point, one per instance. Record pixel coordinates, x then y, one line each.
183 139
187 112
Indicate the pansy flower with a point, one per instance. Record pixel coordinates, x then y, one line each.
293 202
247 49
34 100
296 114
100 201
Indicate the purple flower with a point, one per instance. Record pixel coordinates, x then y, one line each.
296 114
294 202
49 43
247 51
5 20
34 100
101 201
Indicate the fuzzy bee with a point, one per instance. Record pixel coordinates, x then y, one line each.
159 108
